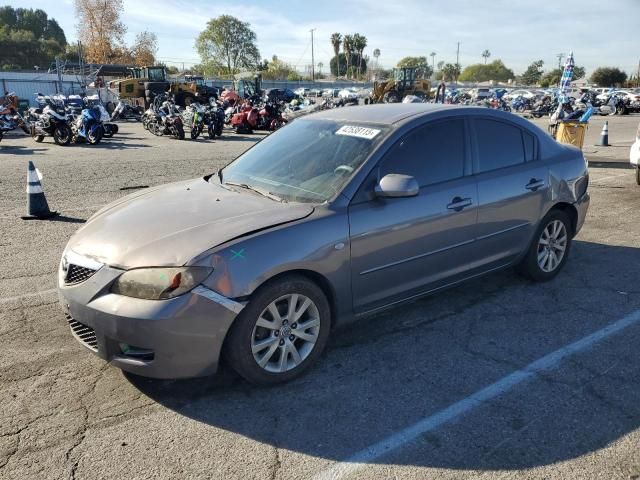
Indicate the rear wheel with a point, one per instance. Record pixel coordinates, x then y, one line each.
179 132
38 138
61 135
550 247
281 332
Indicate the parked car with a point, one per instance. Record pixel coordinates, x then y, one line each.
513 94
481 94
634 156
338 215
331 92
348 95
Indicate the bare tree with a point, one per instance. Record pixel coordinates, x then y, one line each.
145 48
100 28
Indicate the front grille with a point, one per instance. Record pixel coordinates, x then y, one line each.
86 335
77 274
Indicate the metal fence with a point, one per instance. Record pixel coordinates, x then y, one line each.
27 84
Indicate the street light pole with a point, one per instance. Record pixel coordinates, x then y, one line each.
313 71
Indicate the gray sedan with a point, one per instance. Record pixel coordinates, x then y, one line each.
338 215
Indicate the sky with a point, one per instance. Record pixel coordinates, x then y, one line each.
516 31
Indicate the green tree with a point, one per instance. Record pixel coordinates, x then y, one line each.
359 44
532 74
421 64
608 77
450 71
29 38
479 72
276 69
228 45
553 77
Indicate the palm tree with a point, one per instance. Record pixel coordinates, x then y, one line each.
360 43
347 46
336 40
376 55
486 54
320 65
433 62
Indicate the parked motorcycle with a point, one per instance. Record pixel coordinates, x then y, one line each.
125 111
10 116
165 119
214 118
110 129
88 126
50 119
193 117
521 104
246 120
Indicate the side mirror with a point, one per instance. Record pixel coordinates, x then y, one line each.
396 185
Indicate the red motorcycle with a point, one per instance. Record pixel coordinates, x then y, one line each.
246 120
249 118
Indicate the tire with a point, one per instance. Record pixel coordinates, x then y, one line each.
638 175
94 138
540 267
391 97
245 333
110 107
195 132
38 138
62 135
179 132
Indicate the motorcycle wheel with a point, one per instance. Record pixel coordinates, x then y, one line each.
620 110
61 135
145 125
536 114
179 132
218 130
94 137
520 109
38 138
195 132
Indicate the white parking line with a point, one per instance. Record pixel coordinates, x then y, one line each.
26 295
502 386
596 180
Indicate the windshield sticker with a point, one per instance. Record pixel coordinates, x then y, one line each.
360 132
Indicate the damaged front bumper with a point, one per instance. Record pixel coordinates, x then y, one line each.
176 338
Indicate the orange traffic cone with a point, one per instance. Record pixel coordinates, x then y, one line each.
37 206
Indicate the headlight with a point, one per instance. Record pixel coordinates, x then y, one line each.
159 283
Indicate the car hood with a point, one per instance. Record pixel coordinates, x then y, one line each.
171 224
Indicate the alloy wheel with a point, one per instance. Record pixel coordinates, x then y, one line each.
285 333
552 246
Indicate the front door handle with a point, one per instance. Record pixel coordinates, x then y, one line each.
458 204
534 184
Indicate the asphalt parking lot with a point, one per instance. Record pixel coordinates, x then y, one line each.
496 378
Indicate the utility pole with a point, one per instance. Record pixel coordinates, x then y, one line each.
457 62
313 71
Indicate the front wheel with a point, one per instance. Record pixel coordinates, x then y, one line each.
61 135
94 135
281 331
550 247
179 132
38 138
195 131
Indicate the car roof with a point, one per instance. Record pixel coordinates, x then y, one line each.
386 114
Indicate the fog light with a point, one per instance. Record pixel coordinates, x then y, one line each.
136 352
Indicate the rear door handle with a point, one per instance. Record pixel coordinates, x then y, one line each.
459 204
534 184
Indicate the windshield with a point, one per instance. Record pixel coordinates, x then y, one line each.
306 161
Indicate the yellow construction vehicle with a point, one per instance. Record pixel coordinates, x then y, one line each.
147 82
403 83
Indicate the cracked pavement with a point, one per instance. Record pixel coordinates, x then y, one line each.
67 415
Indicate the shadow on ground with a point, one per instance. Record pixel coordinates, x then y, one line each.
20 150
389 371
